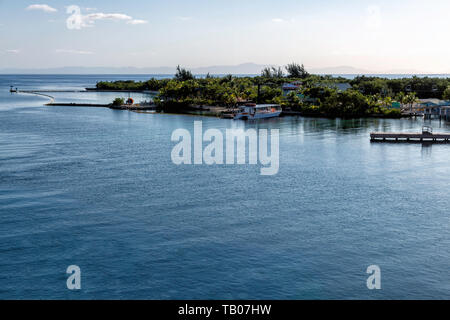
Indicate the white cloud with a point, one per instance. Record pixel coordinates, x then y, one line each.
70 51
13 51
107 16
137 21
42 7
88 20
77 20
277 20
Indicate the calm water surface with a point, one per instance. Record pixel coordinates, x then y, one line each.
97 188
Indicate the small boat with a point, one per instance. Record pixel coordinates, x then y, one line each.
427 130
253 111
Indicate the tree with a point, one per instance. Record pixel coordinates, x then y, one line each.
183 74
295 70
293 99
119 101
353 103
446 94
387 102
410 98
272 73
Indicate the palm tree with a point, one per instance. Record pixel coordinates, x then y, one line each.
388 102
410 98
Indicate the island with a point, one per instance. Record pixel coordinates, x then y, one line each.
293 88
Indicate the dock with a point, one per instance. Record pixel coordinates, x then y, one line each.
134 107
426 135
93 105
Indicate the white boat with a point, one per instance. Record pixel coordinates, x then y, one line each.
260 111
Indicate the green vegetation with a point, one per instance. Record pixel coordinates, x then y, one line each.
118 102
272 73
423 87
316 95
446 94
296 71
152 85
183 74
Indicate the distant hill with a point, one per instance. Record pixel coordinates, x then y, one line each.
90 70
241 69
246 68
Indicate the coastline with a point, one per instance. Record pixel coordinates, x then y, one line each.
212 111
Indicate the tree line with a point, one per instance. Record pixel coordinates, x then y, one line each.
316 95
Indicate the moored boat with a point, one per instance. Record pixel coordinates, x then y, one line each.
261 111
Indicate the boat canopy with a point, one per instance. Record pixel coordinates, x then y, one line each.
262 106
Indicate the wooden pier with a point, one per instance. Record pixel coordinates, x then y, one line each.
426 135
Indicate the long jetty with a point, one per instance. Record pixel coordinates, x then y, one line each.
409 137
131 107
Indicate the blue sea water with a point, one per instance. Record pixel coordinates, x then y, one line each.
96 188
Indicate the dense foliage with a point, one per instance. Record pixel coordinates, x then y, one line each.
118 102
446 94
295 70
183 74
424 87
130 85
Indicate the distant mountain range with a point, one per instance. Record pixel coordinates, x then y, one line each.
246 68
241 69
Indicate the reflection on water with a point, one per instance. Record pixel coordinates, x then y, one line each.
427 147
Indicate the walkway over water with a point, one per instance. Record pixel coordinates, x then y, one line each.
44 91
409 137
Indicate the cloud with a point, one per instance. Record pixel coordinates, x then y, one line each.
70 51
77 20
42 7
277 20
106 16
13 51
137 21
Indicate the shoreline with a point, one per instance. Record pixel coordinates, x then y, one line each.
206 111
212 111
122 91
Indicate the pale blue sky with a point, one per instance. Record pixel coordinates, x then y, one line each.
374 35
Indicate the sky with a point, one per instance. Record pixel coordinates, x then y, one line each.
381 36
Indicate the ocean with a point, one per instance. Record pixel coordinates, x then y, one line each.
97 188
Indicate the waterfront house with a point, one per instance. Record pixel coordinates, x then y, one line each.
290 87
434 107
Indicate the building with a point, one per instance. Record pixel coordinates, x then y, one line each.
434 107
290 87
